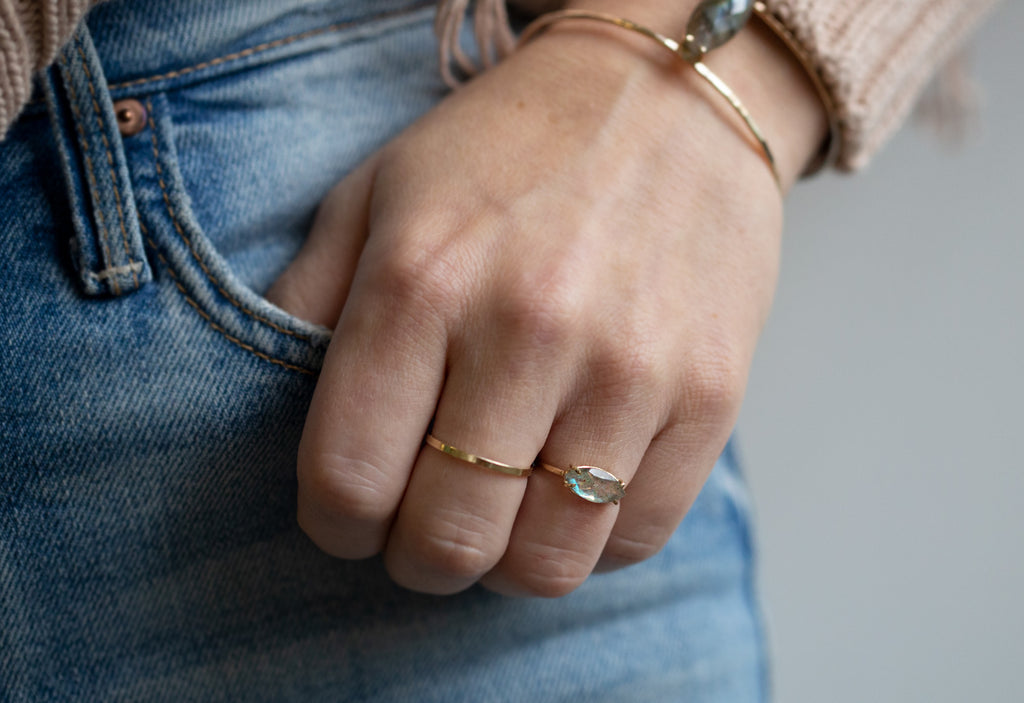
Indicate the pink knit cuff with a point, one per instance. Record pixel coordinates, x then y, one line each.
875 57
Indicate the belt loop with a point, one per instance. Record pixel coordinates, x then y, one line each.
107 249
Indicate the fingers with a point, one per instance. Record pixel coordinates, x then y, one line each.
503 372
670 477
655 423
508 386
454 522
504 363
558 537
678 460
315 285
502 392
373 403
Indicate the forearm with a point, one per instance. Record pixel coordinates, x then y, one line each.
31 34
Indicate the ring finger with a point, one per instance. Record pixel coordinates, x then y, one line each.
560 533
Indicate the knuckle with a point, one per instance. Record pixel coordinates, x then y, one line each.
625 550
343 488
715 383
548 571
462 548
417 281
544 316
628 367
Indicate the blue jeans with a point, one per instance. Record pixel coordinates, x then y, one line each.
151 401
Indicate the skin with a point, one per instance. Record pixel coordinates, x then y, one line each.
570 257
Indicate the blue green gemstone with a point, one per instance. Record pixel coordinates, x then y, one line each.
714 22
594 484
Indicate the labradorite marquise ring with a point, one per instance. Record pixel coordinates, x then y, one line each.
591 483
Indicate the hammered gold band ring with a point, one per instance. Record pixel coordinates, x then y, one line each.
499 466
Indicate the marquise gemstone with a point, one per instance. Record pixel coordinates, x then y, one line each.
714 22
594 484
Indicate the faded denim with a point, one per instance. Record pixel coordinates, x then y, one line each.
151 401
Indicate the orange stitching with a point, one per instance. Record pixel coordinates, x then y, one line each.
181 232
259 48
110 160
230 57
209 320
88 167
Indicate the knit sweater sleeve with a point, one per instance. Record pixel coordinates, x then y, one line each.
873 56
31 34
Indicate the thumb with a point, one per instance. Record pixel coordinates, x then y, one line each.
315 285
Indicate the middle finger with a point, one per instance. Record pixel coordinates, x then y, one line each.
455 519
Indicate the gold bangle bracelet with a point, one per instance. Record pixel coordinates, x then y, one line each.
830 149
677 49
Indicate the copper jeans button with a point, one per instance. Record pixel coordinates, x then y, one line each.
131 116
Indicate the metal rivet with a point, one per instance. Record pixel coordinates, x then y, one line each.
131 117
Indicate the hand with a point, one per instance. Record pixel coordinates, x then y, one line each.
569 258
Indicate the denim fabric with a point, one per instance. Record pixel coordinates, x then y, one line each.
148 429
107 249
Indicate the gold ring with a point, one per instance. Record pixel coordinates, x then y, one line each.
500 467
590 483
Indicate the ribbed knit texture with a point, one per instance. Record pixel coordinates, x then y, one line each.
31 34
875 56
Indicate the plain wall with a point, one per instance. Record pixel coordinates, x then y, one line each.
883 422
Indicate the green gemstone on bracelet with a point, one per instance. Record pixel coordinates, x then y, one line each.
594 484
714 22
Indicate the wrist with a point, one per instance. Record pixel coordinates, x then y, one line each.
763 72
776 88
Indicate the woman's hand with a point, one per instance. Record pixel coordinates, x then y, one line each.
570 257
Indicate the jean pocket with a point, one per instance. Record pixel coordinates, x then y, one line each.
228 171
190 260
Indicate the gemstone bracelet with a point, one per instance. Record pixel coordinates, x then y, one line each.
713 23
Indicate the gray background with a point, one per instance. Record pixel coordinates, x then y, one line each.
882 423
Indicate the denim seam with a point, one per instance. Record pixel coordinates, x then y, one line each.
259 48
188 242
209 320
110 162
104 235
